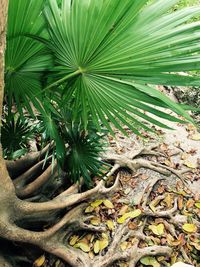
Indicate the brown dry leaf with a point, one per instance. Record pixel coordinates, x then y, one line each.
83 246
73 240
180 202
132 225
124 245
190 203
110 225
144 177
189 227
172 242
39 262
108 204
96 247
95 221
123 210
157 229
168 200
96 203
161 189
154 203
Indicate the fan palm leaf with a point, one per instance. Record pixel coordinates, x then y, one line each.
108 51
26 59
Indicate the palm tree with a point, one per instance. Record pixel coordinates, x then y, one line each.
99 58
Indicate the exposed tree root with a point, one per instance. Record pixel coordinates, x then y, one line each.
55 238
133 162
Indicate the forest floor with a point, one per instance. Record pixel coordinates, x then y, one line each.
156 204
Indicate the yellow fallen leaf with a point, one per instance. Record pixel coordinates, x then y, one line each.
95 221
123 264
131 214
96 247
73 240
108 204
83 246
190 164
157 229
197 204
189 227
103 244
96 203
110 224
124 245
89 209
150 261
196 137
39 262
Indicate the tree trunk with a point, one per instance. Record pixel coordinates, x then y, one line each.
3 20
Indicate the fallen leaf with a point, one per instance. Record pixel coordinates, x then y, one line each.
123 210
150 261
96 247
103 244
131 214
96 203
189 227
196 137
95 221
108 204
190 164
190 203
168 200
157 229
180 202
89 209
124 245
154 203
197 204
73 240
39 262
110 224
83 246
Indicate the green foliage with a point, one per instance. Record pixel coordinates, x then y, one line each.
113 48
26 59
15 134
83 153
98 60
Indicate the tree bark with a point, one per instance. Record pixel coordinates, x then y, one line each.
3 21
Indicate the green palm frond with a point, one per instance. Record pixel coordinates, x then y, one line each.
83 158
15 134
106 52
26 59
